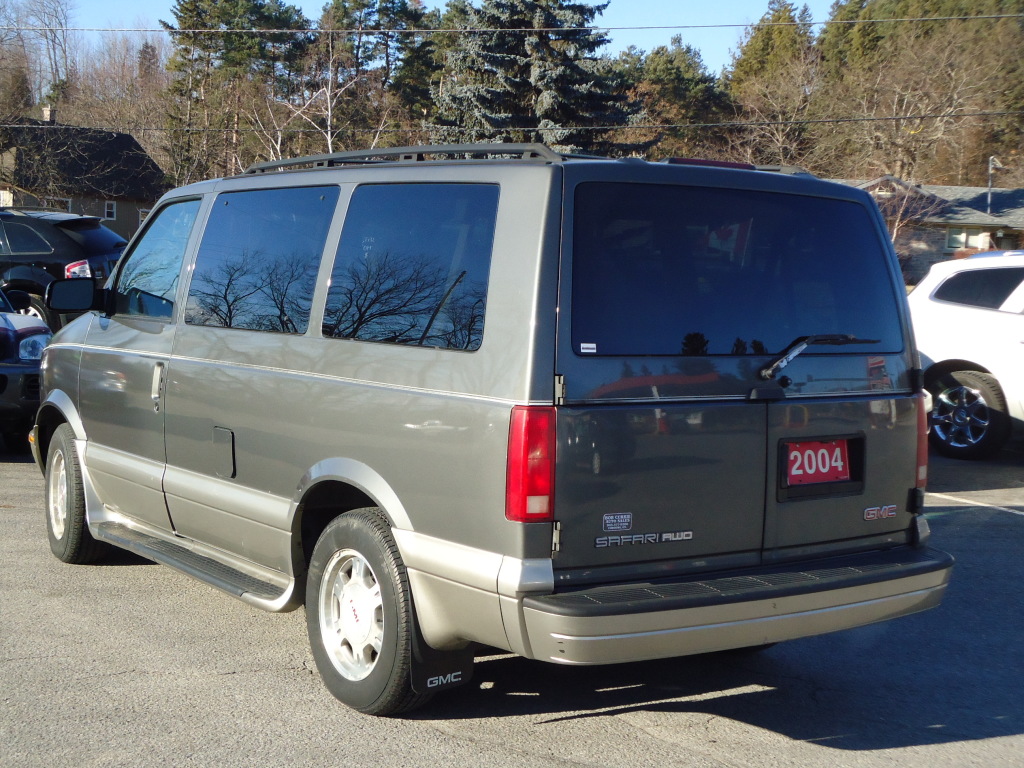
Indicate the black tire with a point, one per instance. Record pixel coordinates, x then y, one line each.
969 419
359 615
38 308
66 526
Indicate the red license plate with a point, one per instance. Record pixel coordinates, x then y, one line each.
824 461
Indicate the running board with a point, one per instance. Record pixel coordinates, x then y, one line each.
246 587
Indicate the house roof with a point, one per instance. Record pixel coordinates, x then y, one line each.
1007 204
963 206
81 161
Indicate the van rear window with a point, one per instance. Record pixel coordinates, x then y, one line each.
677 270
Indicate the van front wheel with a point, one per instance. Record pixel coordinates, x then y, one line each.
66 525
359 615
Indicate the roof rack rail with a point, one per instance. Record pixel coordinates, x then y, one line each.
791 170
413 154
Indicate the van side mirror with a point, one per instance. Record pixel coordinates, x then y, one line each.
19 300
77 294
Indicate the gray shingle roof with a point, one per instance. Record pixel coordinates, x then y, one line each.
969 204
963 206
82 161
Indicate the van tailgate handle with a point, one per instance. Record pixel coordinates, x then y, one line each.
158 385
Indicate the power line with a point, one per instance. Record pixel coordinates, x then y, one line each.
528 30
642 126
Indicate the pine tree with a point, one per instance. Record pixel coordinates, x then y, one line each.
676 89
530 73
782 36
214 72
837 42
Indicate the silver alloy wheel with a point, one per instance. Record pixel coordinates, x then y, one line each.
351 614
57 497
32 312
961 417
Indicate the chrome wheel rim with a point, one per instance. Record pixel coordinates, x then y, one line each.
33 312
57 495
351 614
961 417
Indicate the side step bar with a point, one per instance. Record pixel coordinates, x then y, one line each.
250 589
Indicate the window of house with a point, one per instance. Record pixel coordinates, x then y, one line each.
961 237
987 288
412 265
143 213
109 210
148 278
257 263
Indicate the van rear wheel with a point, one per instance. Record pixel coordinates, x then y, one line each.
359 615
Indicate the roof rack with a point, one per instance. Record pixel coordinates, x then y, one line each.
415 154
791 170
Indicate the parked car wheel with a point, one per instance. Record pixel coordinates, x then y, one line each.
38 309
969 418
359 615
66 526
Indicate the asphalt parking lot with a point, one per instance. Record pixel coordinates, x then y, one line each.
131 664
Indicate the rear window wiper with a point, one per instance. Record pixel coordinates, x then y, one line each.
801 343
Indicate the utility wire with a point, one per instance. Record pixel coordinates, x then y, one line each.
528 30
637 127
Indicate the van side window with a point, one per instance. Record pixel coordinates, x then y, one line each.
257 264
412 265
148 278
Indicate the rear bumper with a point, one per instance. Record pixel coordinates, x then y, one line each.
635 622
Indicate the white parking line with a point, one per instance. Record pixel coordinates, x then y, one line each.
968 502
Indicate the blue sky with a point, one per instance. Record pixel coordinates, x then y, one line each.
715 45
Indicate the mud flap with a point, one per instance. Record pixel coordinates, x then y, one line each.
434 670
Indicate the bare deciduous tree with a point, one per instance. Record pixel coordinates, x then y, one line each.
913 99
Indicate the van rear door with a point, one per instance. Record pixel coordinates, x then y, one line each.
697 431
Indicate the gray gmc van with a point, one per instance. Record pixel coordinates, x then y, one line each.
584 410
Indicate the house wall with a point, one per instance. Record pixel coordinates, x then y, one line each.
921 246
127 212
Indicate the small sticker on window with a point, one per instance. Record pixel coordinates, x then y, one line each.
588 349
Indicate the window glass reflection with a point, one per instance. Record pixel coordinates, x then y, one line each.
257 264
674 270
412 265
148 280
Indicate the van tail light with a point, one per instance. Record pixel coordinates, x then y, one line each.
530 479
922 439
77 269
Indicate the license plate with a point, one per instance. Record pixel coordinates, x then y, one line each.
822 461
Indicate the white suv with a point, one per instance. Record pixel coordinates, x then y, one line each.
969 326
